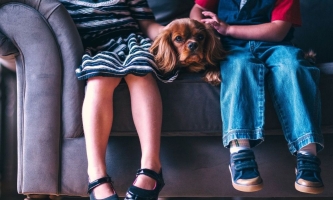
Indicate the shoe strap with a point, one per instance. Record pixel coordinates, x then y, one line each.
245 165
244 160
98 182
243 155
152 174
308 163
308 158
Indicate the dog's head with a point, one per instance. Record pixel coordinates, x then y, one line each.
191 44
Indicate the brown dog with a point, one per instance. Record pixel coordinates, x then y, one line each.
191 44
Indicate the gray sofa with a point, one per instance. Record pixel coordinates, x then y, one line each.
51 157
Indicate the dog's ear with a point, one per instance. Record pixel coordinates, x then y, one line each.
213 55
214 50
164 52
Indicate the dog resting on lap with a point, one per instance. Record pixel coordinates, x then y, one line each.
191 44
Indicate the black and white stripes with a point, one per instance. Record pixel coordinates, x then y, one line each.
110 33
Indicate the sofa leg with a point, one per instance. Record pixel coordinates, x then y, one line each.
54 197
36 196
42 197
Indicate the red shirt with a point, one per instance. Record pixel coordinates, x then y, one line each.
285 10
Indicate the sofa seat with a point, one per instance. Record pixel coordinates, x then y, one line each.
51 158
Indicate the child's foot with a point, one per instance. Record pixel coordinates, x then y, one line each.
245 176
102 188
147 186
144 182
308 178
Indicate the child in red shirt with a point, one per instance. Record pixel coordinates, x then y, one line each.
257 36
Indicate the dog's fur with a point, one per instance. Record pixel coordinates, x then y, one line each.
310 56
188 43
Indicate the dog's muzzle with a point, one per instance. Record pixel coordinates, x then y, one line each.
193 46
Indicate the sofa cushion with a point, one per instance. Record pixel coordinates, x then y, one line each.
315 33
166 11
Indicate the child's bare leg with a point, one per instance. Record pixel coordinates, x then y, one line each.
97 115
147 115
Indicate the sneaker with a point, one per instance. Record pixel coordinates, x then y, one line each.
245 176
308 178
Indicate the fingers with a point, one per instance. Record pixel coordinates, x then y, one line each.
207 21
209 14
212 18
211 22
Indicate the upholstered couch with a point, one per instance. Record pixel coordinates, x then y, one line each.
51 157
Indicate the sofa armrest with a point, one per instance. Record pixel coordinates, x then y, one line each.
49 95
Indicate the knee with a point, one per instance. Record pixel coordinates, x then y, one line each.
237 67
8 62
102 83
290 56
130 78
292 60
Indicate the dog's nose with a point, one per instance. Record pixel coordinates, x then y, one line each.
192 46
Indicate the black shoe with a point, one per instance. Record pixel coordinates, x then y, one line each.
135 193
245 176
98 182
308 178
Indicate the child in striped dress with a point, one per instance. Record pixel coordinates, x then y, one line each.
113 34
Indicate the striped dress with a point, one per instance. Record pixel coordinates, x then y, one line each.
114 44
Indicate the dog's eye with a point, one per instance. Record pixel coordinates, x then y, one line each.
200 37
179 39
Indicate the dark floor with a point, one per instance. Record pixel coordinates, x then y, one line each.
21 197
225 198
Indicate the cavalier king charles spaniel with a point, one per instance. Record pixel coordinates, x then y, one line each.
191 44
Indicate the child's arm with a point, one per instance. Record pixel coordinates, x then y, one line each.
273 31
150 28
196 12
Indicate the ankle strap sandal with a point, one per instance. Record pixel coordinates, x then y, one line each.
92 185
135 193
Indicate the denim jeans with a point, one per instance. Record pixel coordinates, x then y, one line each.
290 79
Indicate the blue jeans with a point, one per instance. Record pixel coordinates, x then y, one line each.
292 83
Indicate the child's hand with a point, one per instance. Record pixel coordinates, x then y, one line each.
220 26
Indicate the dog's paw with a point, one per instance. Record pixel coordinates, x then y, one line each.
310 56
213 77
